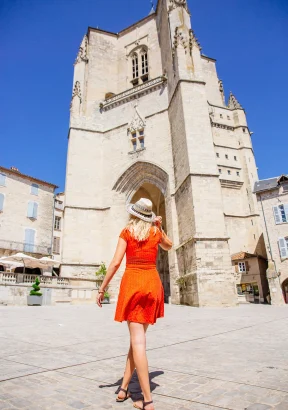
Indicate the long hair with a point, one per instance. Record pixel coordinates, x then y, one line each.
139 229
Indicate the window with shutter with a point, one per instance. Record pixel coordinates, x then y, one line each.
1 202
34 189
283 248
282 213
286 211
35 210
277 215
246 266
32 210
2 179
29 240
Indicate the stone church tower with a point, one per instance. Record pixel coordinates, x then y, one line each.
149 119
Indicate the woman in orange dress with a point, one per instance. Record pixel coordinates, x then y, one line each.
141 295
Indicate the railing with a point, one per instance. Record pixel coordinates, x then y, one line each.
8 277
128 94
28 279
25 247
62 281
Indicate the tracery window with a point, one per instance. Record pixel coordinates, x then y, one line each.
135 68
137 139
139 57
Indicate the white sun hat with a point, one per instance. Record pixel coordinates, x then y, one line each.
142 209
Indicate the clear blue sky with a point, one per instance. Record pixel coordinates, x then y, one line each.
40 40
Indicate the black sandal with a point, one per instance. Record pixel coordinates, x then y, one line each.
145 403
127 395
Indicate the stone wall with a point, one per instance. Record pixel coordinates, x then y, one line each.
269 199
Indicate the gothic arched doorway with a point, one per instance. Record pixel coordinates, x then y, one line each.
151 192
285 290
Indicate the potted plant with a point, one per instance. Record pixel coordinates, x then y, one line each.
106 297
35 298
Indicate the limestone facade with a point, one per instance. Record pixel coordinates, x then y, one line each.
149 117
272 196
26 214
58 225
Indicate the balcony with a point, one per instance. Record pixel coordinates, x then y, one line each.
133 93
12 246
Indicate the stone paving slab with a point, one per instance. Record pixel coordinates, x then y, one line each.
200 359
7 348
9 370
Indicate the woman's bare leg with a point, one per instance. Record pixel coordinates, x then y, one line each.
138 343
128 373
129 370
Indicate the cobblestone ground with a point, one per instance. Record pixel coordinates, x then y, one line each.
72 357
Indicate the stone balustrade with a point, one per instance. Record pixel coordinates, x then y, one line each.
14 288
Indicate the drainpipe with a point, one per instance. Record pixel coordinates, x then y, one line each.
54 198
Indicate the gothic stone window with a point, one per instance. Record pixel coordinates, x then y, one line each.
144 63
135 69
137 139
140 57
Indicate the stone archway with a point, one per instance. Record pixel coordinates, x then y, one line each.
285 290
139 173
145 179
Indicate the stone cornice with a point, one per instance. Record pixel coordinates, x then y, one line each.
236 149
226 183
225 108
202 239
82 208
222 126
228 166
208 58
241 216
81 264
133 93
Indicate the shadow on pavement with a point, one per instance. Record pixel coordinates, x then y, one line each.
134 386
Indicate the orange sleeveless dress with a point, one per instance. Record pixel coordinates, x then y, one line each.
141 295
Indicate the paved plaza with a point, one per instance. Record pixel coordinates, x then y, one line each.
72 357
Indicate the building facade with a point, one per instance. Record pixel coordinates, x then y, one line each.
149 118
26 214
272 196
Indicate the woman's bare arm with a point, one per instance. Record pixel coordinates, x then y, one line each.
165 243
113 267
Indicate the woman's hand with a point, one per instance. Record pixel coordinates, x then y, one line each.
158 221
99 298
